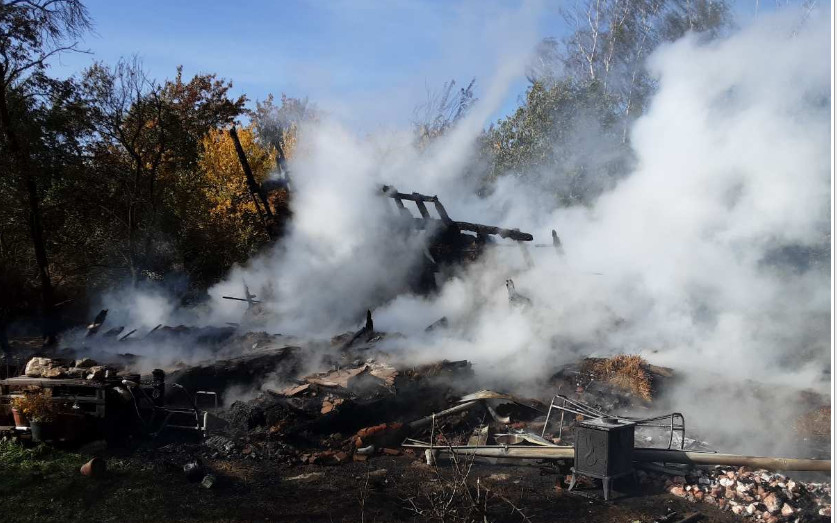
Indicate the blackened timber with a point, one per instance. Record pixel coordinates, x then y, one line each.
443 214
420 204
479 229
249 301
512 234
392 193
556 242
259 196
152 331
368 328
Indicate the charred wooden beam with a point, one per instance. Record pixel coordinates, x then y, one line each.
441 323
112 333
256 191
479 229
415 197
367 329
93 328
249 301
512 234
556 242
443 214
152 331
420 204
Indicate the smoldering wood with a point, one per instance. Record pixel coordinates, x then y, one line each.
479 229
556 242
256 191
421 207
125 337
512 234
440 210
248 297
112 333
367 329
94 327
441 323
152 331
282 163
240 299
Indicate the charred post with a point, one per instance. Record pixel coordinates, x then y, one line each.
256 191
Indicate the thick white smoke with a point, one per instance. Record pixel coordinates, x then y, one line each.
703 252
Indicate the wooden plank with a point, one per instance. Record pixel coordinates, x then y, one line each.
420 204
80 399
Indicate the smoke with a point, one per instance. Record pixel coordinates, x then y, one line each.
711 257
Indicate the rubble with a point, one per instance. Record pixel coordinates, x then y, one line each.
36 367
85 363
363 405
749 493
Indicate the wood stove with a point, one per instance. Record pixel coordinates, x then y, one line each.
604 449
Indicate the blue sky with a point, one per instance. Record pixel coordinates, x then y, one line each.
368 62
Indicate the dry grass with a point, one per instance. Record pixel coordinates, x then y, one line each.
628 372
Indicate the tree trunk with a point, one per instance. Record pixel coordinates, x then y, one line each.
36 231
5 348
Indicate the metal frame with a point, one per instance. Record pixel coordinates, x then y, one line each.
167 413
676 421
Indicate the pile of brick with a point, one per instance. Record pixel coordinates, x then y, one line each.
756 494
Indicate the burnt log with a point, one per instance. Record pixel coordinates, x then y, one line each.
256 191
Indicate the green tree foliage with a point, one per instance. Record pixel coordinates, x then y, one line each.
570 135
563 139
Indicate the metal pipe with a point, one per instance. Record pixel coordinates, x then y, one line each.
707 458
643 455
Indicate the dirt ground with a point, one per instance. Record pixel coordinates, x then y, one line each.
42 484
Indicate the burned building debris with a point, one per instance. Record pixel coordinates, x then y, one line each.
448 242
363 405
594 426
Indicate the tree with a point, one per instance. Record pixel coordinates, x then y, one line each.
225 227
31 31
442 110
570 136
563 139
278 126
147 148
612 39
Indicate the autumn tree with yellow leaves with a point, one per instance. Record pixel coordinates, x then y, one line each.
225 186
